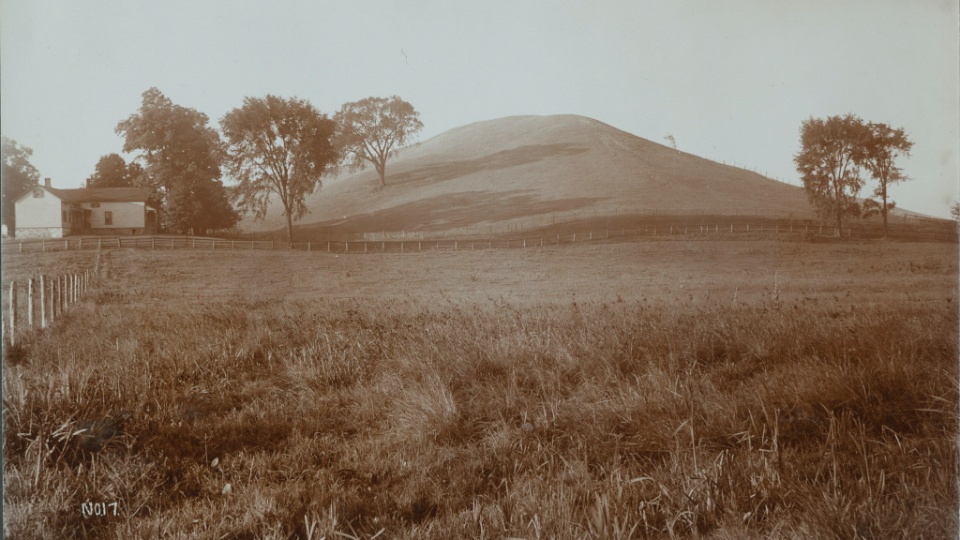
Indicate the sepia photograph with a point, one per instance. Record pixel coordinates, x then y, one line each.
382 269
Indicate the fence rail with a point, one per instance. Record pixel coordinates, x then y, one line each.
692 232
35 303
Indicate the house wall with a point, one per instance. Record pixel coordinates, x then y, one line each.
39 217
126 215
40 232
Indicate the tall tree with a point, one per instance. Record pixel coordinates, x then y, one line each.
18 175
182 156
113 171
829 164
278 147
373 129
882 147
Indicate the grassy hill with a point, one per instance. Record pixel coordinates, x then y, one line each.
542 169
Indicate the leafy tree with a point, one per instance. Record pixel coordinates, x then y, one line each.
183 157
878 154
373 129
200 207
955 211
18 176
113 171
277 147
829 164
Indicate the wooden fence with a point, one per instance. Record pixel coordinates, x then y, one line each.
691 232
35 303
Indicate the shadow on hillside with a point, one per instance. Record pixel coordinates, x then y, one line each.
448 170
445 212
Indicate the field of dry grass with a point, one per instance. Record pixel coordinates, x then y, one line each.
643 390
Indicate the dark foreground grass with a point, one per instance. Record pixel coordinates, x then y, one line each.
277 419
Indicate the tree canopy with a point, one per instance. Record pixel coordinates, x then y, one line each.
883 145
18 175
277 147
113 171
829 164
183 157
373 129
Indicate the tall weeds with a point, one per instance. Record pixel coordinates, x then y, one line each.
273 419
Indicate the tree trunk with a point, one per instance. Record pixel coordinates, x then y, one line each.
289 227
840 223
886 232
383 176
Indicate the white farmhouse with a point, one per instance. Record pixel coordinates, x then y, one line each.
45 212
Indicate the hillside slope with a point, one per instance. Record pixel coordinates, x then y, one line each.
522 167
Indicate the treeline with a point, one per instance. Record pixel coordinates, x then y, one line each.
836 152
272 147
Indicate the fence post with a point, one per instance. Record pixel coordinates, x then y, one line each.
43 246
66 245
13 313
30 303
671 229
43 302
419 245
53 299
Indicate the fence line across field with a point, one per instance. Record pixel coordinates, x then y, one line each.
47 298
402 246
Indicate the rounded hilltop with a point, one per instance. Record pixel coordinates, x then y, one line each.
510 168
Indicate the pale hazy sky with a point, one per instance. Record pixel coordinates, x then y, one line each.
730 79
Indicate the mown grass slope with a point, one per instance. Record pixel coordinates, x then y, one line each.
720 390
551 167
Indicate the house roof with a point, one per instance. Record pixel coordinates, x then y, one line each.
108 194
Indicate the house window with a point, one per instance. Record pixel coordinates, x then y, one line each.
94 205
38 193
108 218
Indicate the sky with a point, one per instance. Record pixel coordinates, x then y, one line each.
731 80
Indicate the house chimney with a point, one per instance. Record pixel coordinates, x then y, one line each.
46 182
